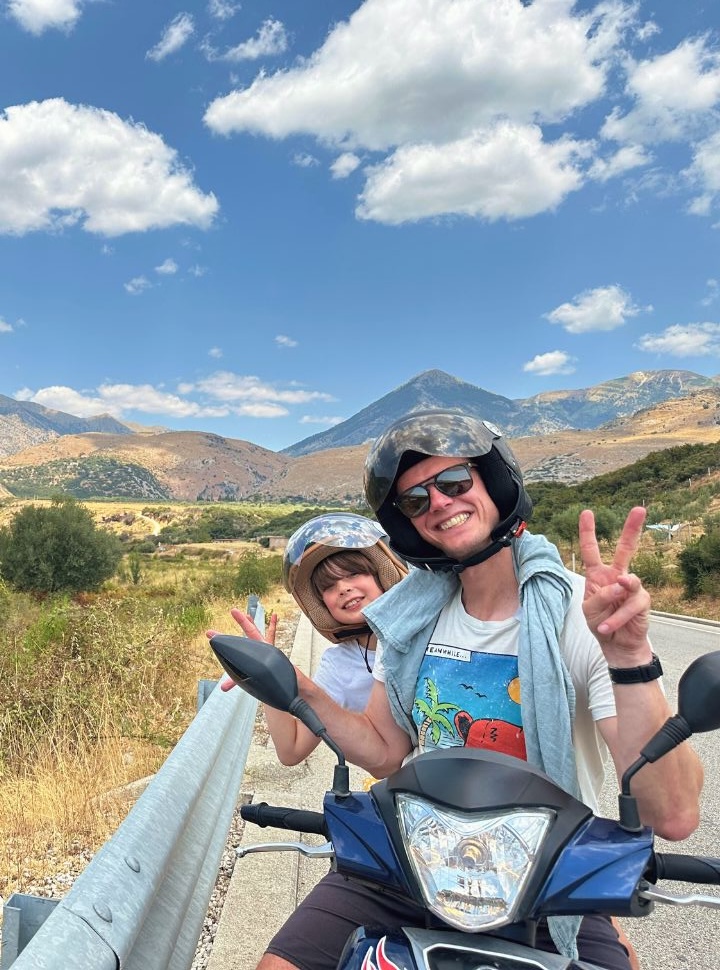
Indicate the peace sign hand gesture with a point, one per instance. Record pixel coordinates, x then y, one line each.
616 604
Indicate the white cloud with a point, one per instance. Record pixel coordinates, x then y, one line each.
222 9
671 94
713 291
137 285
167 268
647 30
704 172
304 160
626 158
219 395
36 16
329 422
63 165
344 165
604 308
507 172
550 363
5 327
174 36
282 341
215 352
270 40
483 66
480 62
228 387
684 340
197 271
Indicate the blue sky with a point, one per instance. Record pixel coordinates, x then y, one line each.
257 218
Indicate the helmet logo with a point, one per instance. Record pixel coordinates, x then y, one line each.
493 429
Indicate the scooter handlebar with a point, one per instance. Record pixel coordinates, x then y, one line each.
295 819
687 868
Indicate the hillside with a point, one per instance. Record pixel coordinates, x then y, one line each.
24 424
188 466
181 465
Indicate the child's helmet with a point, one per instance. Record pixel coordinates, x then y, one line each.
324 536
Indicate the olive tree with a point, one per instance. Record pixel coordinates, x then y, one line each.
57 548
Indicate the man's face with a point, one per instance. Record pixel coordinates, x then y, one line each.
458 526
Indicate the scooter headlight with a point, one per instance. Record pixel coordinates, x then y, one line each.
472 868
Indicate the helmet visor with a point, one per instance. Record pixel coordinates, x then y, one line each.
335 531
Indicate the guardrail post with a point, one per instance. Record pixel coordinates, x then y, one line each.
23 915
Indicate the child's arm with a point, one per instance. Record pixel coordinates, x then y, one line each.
293 741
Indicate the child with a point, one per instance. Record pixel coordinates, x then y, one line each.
334 565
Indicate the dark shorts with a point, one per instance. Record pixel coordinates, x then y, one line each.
314 936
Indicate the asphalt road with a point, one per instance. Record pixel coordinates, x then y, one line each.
674 937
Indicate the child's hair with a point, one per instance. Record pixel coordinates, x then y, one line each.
340 564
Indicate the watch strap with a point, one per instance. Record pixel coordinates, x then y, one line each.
637 675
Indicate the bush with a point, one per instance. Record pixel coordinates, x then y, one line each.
650 567
256 574
57 549
699 564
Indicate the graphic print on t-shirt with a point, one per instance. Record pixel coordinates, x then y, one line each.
468 698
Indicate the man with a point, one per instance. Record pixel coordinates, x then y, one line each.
535 661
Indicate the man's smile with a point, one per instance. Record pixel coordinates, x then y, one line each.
456 520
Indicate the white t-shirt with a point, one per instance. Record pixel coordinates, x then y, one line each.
468 690
343 674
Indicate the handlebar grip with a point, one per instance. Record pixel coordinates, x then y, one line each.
295 819
688 868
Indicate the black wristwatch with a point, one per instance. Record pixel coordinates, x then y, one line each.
637 675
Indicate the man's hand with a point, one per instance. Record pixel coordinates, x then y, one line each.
247 625
616 604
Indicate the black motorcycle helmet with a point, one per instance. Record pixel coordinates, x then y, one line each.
452 434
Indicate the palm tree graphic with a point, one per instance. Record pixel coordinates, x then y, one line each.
434 718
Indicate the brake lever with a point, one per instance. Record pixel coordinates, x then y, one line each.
324 851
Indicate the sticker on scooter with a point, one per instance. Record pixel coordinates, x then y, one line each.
383 961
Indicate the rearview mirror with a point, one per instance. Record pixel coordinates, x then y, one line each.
259 668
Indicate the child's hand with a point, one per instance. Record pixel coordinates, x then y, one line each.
247 625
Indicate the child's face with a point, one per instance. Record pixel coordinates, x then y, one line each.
347 597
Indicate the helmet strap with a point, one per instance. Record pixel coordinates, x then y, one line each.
499 542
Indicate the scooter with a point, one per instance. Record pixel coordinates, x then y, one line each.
486 843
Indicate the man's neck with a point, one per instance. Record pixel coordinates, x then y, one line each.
490 589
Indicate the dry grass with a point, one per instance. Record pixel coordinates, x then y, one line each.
56 772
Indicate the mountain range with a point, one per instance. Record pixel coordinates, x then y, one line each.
561 435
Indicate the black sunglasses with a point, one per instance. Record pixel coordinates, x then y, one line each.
452 481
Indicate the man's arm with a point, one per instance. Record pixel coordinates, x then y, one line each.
370 739
617 611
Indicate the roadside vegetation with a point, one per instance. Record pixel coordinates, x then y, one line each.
97 686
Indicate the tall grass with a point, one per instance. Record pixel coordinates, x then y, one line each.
94 691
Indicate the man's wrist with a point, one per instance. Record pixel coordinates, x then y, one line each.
640 674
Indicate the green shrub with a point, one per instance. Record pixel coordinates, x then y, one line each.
650 567
57 548
699 564
256 574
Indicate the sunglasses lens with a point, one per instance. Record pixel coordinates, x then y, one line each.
454 481
451 482
413 502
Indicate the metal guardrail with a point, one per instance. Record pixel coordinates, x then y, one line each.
141 902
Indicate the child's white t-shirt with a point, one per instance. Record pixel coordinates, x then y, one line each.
343 674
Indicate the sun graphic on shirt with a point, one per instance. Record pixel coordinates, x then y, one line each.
513 689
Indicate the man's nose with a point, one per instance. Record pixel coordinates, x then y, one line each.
437 499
